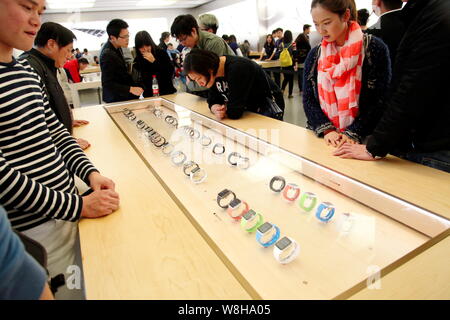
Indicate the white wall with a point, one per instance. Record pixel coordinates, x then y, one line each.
153 21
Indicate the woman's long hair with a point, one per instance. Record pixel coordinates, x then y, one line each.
143 38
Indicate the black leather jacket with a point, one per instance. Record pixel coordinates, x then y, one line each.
116 81
418 110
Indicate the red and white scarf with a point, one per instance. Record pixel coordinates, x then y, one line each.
339 77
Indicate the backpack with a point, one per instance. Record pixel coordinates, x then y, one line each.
285 57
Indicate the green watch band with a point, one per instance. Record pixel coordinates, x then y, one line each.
256 226
305 197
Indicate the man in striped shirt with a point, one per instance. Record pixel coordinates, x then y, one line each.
38 156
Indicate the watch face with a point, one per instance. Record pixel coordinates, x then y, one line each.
249 215
265 227
224 193
235 203
283 243
195 170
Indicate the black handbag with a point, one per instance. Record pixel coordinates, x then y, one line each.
272 105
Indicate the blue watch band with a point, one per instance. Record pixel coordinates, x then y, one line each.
272 241
325 206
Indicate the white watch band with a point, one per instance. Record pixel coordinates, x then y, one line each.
295 252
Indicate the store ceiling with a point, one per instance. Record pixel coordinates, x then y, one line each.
69 6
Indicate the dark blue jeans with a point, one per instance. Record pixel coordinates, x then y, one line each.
438 160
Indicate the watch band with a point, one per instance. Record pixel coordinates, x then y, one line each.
241 211
294 247
274 239
198 175
189 165
329 208
224 194
289 188
220 146
255 216
275 179
308 196
177 154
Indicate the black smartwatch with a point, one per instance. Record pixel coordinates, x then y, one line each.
225 195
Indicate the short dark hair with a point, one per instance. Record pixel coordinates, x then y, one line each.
83 60
287 37
115 26
209 21
307 26
183 25
363 17
225 37
54 31
164 35
201 62
392 4
85 50
279 29
143 38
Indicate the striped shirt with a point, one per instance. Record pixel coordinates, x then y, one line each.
38 156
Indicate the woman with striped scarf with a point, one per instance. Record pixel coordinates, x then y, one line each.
346 77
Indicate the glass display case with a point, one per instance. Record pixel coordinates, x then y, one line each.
286 227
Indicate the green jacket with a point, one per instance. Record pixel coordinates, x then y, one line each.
210 42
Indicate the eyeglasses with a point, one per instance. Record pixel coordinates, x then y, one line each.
125 37
182 39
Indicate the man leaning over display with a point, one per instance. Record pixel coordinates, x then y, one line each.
186 30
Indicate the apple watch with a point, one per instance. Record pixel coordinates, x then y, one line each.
308 201
198 175
225 196
237 208
218 148
160 143
291 192
231 158
286 250
325 211
189 166
158 113
267 234
140 124
206 141
251 221
275 181
178 158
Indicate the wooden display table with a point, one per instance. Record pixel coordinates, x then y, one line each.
75 89
269 64
118 264
91 69
148 249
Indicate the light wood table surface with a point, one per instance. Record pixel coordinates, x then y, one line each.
148 249
106 243
91 69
